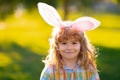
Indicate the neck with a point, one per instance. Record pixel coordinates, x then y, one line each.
70 63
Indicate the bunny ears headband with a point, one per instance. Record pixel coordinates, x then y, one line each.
51 16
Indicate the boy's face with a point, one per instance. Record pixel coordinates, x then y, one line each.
69 49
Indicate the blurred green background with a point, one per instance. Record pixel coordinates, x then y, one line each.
24 36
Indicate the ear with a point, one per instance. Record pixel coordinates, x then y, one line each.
85 23
49 14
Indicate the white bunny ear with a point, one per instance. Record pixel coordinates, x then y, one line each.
49 14
85 23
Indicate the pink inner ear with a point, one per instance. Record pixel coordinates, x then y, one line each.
83 25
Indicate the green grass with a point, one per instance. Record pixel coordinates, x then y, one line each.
24 43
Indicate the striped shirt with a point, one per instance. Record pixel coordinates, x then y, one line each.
49 73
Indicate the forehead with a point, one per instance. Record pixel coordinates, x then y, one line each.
69 40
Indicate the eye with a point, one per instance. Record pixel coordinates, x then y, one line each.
63 43
74 42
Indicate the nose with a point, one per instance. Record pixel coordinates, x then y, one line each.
69 46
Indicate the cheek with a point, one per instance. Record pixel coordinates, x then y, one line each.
78 48
60 47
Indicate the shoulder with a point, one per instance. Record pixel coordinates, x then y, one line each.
47 72
95 76
48 69
94 73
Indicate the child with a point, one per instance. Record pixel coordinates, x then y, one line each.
71 56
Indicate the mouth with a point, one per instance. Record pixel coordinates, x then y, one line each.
69 52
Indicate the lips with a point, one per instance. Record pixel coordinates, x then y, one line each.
69 52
